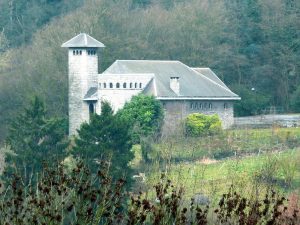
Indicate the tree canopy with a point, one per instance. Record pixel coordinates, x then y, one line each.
34 138
105 137
144 114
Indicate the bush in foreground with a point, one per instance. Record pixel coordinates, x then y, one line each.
78 197
198 124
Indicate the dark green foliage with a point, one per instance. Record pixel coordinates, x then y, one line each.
145 116
198 124
253 101
105 137
295 100
34 138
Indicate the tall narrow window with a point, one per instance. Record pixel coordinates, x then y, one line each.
111 85
210 106
140 85
104 85
118 85
124 85
91 108
225 106
200 106
130 85
135 85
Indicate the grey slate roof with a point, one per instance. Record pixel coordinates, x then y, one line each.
91 94
83 40
192 83
211 75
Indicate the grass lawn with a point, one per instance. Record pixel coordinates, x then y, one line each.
280 170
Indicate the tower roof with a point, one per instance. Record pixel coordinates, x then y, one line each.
83 40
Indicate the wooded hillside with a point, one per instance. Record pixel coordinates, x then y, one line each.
253 45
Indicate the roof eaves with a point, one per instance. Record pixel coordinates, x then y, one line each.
198 98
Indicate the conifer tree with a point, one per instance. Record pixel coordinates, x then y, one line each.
107 138
33 138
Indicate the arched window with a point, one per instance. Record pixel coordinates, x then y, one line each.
89 52
200 106
74 52
130 85
135 85
140 85
225 106
210 106
111 85
104 85
80 52
124 85
99 85
192 105
118 85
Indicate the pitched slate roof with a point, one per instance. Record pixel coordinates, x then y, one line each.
83 40
91 94
193 84
211 75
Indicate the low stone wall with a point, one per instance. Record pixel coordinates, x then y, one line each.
264 121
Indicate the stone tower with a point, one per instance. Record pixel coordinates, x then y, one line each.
83 73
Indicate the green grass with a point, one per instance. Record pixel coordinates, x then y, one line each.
251 160
228 143
215 179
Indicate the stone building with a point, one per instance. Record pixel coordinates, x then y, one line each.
181 89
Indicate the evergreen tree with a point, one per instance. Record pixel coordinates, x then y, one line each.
106 138
33 138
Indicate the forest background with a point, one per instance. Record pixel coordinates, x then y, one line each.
253 45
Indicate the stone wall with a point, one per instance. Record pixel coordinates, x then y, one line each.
128 86
83 70
177 110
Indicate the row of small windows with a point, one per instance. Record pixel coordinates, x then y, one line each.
118 85
91 52
198 105
79 52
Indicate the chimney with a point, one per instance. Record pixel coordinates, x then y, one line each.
174 84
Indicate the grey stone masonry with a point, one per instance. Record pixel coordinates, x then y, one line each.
177 110
83 72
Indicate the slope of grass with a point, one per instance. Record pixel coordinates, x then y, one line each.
278 170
